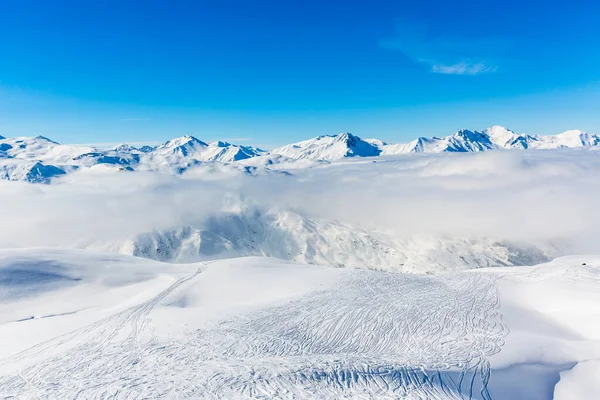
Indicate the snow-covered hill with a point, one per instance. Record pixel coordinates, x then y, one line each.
290 236
79 324
29 171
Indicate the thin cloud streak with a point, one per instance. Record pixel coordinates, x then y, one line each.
445 53
463 68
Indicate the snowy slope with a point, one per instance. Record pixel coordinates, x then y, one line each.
507 139
14 169
36 159
462 141
330 147
190 147
290 236
42 149
91 325
569 139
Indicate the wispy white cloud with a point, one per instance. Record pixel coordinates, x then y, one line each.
133 119
463 68
443 52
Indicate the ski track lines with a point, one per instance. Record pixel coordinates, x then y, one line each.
373 335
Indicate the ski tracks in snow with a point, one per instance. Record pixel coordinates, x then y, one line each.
373 335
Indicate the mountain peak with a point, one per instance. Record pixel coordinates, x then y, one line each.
184 145
45 139
572 133
330 147
124 147
575 138
183 140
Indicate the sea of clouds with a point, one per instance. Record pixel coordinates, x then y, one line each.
546 197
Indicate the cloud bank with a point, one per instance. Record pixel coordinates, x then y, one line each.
543 196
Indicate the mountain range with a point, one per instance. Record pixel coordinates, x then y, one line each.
496 137
39 159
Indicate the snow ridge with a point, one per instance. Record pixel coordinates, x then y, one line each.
39 159
329 147
493 138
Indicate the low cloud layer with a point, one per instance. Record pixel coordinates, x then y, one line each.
543 196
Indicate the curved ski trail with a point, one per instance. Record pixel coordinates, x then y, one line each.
373 335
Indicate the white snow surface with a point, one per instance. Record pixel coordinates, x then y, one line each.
95 325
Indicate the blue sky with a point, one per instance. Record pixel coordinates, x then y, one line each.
271 72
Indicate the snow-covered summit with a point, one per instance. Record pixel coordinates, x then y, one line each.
179 154
493 138
40 148
183 146
23 154
330 147
127 148
572 138
191 148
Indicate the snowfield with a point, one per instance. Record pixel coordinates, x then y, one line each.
92 325
315 271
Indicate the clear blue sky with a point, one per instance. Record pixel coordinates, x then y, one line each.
271 72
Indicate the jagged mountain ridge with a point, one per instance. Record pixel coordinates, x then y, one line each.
496 137
330 147
39 159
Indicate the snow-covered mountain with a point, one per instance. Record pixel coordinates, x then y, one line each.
508 139
26 170
290 236
331 147
42 149
38 159
497 137
190 147
461 141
